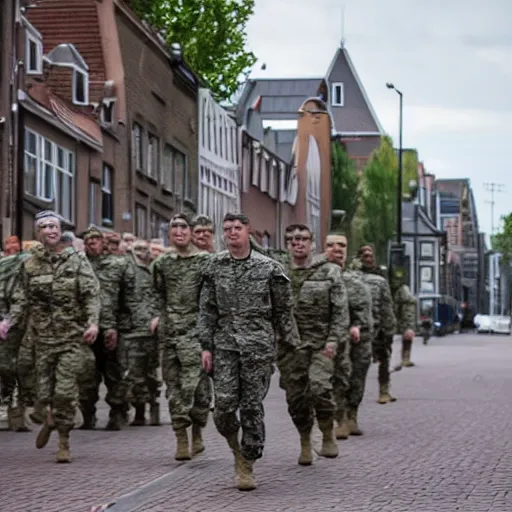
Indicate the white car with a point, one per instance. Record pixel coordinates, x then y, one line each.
493 324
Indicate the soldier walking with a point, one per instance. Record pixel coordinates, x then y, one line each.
245 302
61 293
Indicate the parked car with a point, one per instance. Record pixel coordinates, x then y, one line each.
493 324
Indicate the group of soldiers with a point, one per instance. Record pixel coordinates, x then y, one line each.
216 322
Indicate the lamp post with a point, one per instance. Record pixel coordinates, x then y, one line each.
400 172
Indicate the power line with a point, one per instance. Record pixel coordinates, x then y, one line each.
493 188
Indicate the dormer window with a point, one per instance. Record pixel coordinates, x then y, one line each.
80 87
107 112
338 95
33 50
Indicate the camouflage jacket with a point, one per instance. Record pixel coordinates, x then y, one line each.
60 295
280 256
177 281
405 309
320 304
384 321
359 302
9 272
116 275
245 304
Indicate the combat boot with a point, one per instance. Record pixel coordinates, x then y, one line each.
44 434
140 416
197 440
89 420
329 447
406 354
245 480
63 452
16 419
341 430
155 415
353 426
115 419
384 395
182 450
306 452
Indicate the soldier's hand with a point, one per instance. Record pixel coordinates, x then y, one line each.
409 335
355 334
154 324
110 339
329 350
91 334
207 361
4 328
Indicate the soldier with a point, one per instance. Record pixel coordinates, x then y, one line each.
140 345
156 248
384 321
245 301
321 313
62 294
116 275
202 233
11 246
129 240
281 256
352 367
177 279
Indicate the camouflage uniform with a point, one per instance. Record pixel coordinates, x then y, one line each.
62 295
384 327
141 349
244 304
177 281
116 275
307 375
405 312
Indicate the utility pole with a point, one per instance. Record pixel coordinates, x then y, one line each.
493 188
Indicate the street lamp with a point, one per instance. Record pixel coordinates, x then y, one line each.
400 177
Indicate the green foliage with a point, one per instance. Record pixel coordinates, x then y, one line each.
379 198
345 188
212 34
409 170
502 241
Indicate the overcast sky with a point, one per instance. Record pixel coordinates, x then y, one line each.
452 59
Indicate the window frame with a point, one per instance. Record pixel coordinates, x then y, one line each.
335 103
153 153
109 191
140 208
137 147
168 151
85 74
32 36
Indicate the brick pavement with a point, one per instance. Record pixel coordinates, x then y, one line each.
444 446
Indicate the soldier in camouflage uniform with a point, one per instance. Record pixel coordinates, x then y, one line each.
202 233
307 373
281 256
352 368
116 275
384 326
140 345
245 301
62 294
177 279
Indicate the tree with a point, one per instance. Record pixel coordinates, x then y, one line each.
345 187
379 198
212 35
502 241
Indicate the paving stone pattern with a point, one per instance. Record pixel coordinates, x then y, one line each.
444 446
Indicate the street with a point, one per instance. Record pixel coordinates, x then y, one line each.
444 446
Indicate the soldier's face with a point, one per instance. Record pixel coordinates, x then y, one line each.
203 237
11 247
336 249
156 250
181 234
236 234
49 232
301 243
367 258
142 252
94 246
129 240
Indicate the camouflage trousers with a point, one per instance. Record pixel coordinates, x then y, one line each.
188 387
107 368
382 348
341 381
307 377
8 356
360 359
59 369
241 383
142 362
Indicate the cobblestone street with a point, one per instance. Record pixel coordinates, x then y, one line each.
444 446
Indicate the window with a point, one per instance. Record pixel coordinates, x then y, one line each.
137 146
80 87
33 52
159 228
93 194
107 203
153 156
179 171
338 95
426 250
50 173
141 221
107 112
167 176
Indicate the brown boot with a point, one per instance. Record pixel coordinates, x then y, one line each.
245 480
341 431
140 416
353 426
16 419
155 415
384 396
182 450
406 353
63 453
306 452
329 447
115 420
44 434
197 440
